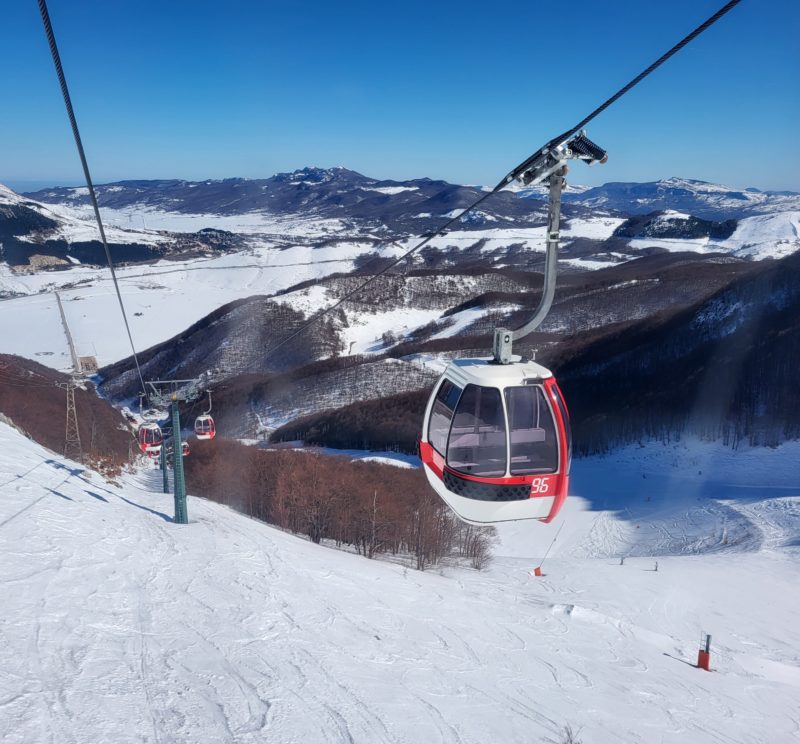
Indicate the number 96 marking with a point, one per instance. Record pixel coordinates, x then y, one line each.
540 485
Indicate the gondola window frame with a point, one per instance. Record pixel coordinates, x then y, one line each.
551 431
479 467
445 396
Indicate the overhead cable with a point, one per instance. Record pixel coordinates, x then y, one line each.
51 39
622 91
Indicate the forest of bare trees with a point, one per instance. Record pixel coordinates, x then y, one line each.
371 508
31 400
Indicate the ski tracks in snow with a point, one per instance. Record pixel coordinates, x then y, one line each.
121 626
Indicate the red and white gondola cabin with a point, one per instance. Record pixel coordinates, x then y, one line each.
150 439
496 441
204 427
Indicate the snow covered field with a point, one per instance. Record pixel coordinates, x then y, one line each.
161 300
259 223
119 626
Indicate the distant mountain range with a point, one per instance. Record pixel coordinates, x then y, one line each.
315 207
337 192
699 198
403 206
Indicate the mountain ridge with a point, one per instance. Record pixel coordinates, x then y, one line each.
703 199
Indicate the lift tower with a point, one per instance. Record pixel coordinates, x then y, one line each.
169 393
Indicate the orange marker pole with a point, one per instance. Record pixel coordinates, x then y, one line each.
538 570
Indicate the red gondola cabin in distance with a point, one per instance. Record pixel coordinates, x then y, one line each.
150 439
204 427
496 443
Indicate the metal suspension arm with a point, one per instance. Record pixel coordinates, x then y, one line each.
550 166
504 338
551 257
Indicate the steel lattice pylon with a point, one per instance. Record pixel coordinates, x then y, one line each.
73 449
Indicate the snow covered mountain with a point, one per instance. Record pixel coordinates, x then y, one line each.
723 369
119 625
335 193
326 229
699 198
322 204
40 236
630 344
35 236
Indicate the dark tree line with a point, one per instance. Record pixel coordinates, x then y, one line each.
375 509
390 424
725 369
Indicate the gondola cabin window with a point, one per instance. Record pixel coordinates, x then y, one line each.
534 446
442 415
477 443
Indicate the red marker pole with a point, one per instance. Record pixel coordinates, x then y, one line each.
704 655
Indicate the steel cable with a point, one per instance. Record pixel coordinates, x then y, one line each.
622 91
51 40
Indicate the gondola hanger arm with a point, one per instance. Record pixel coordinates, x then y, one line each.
549 165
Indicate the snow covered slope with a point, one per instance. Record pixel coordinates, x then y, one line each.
70 227
34 235
119 626
307 225
758 238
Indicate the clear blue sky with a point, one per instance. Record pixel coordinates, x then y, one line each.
457 90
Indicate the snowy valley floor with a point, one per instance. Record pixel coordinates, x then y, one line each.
118 626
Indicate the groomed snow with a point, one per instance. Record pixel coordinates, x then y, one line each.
119 626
